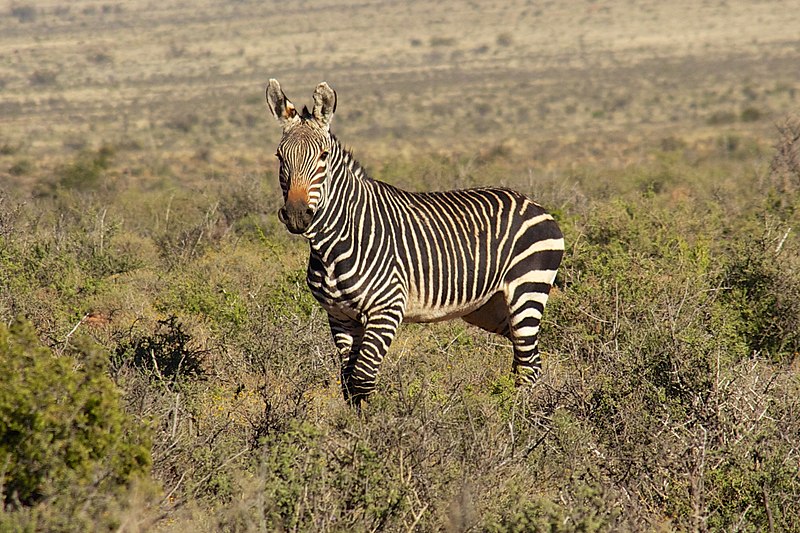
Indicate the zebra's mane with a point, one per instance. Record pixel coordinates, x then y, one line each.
352 163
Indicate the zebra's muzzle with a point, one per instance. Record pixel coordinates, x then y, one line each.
296 215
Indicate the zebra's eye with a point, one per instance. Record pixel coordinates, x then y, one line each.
323 156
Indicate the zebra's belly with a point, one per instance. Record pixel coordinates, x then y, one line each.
418 311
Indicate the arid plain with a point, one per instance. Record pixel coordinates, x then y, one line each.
410 75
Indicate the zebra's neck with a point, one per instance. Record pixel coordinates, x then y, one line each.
347 182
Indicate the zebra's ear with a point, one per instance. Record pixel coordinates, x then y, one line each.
324 104
280 106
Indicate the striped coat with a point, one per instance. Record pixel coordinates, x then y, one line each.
380 255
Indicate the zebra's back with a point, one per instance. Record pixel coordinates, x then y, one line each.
456 248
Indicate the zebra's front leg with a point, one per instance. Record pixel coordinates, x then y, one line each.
347 336
360 373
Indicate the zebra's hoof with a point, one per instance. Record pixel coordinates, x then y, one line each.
355 394
526 377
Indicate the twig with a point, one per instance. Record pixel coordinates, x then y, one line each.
178 484
536 444
102 230
766 507
175 415
593 317
155 365
417 517
3 480
742 518
73 330
780 244
223 465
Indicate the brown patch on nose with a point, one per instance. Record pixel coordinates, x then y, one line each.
297 194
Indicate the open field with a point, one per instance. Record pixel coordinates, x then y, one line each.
431 75
164 368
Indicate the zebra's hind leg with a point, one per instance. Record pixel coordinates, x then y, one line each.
526 301
491 316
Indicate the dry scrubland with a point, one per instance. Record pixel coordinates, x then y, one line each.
163 367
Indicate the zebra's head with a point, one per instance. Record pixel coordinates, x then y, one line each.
302 153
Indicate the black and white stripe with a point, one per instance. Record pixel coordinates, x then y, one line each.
380 255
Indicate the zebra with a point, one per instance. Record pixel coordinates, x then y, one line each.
379 255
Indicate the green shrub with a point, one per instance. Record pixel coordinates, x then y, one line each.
20 168
85 172
9 215
43 77
24 12
167 355
62 429
764 287
660 323
750 114
667 401
783 180
311 479
719 118
586 510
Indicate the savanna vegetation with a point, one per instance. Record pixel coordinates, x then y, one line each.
164 368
